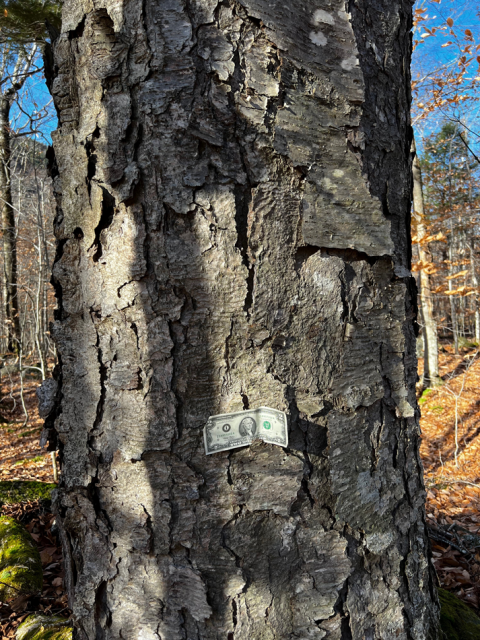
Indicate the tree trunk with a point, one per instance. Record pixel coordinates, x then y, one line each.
233 182
473 272
431 376
453 306
9 234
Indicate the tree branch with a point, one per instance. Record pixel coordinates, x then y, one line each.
466 144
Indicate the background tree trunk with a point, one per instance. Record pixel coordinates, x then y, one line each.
431 376
453 306
233 182
473 271
9 234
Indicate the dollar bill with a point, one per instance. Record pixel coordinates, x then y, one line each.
232 430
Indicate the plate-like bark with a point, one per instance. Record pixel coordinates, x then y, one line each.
233 181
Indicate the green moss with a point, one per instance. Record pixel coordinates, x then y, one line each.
457 620
37 627
15 491
26 460
424 397
467 343
437 409
20 564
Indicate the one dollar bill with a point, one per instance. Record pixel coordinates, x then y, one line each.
232 430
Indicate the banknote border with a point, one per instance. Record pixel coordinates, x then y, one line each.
218 448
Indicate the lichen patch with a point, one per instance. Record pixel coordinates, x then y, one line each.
318 38
349 63
322 16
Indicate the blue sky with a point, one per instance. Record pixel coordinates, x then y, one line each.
35 100
430 54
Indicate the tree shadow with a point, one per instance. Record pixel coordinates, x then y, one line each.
460 368
435 445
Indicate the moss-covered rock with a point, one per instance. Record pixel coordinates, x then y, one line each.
12 492
20 564
38 627
457 620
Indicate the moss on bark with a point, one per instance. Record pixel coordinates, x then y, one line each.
457 620
15 491
20 564
37 627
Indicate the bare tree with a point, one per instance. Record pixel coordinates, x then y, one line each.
17 63
451 181
431 377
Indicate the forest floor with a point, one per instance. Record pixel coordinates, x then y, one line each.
450 452
21 458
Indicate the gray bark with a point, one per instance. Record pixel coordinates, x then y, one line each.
453 307
233 182
9 233
431 375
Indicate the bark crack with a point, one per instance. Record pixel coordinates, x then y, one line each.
106 219
176 330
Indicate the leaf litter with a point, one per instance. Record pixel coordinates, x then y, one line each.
452 472
21 458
